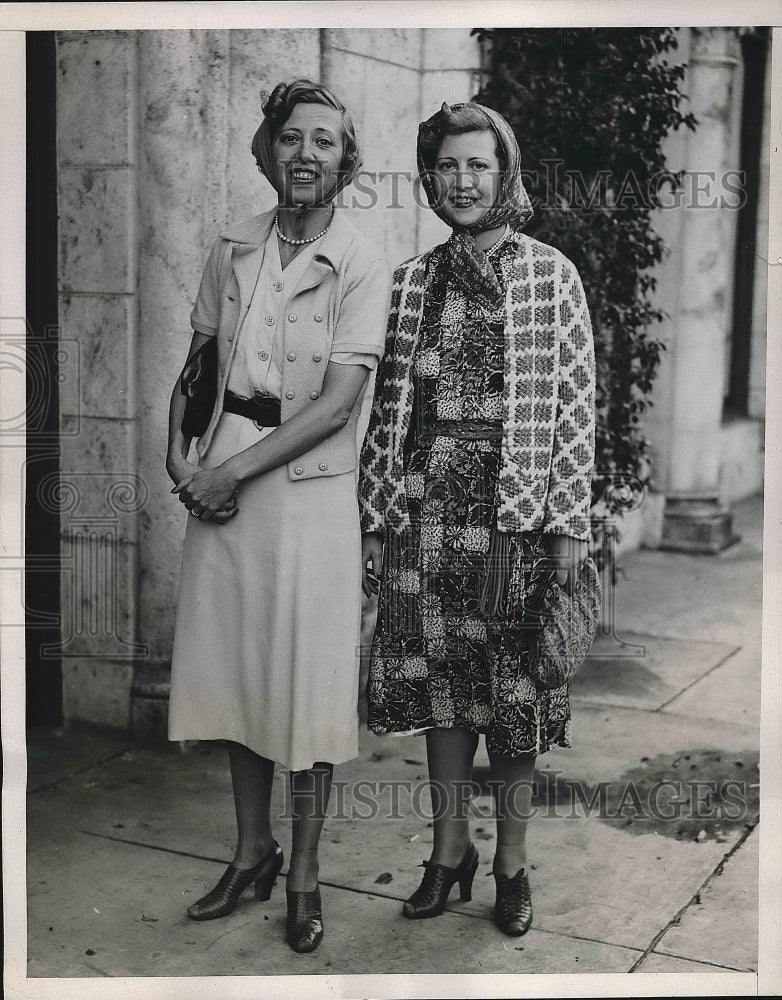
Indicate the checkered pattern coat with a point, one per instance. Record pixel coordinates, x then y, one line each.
548 440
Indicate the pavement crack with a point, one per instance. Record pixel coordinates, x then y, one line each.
676 918
74 774
697 680
230 930
152 847
701 961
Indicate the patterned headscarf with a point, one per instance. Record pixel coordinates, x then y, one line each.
512 206
262 151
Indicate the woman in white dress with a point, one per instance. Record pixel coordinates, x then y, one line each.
267 635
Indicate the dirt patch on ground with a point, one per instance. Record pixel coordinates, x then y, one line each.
697 794
690 795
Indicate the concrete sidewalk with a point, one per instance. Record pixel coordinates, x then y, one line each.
122 839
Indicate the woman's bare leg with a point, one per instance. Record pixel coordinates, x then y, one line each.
310 792
511 779
252 777
450 754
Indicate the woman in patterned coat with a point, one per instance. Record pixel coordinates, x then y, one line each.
476 467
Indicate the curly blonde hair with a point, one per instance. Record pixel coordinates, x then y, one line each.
284 98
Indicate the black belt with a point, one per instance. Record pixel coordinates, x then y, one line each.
463 430
264 410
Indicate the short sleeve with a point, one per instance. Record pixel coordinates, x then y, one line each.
205 315
361 324
369 361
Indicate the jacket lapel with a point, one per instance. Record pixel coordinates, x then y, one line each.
247 261
317 270
330 252
249 239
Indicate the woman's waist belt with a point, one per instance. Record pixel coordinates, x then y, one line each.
264 410
462 430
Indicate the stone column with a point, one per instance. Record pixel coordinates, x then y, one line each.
694 518
100 496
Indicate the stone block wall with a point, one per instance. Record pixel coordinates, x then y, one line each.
154 132
98 302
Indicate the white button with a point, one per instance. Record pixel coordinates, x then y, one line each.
291 356
292 318
270 320
290 394
317 357
318 318
314 395
323 467
277 286
263 355
298 470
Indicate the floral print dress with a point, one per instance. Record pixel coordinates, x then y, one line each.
438 660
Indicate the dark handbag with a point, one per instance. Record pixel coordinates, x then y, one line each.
198 382
559 627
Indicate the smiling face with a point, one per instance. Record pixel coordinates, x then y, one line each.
467 176
307 154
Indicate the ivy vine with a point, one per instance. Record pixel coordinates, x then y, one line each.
591 108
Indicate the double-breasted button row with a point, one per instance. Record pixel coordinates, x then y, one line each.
292 317
298 470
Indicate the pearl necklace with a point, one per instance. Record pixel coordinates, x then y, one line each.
299 243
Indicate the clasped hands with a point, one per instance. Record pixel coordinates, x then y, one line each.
209 494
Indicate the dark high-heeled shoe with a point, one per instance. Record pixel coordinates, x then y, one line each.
304 922
430 897
223 898
513 908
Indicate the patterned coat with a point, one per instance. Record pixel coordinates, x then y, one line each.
548 437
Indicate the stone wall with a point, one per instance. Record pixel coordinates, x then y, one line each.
154 131
98 301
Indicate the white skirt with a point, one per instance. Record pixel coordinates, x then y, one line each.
266 649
